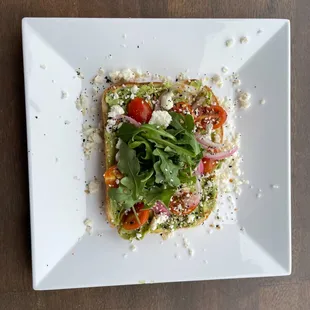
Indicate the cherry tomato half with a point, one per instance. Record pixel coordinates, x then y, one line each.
130 221
183 107
112 176
215 115
140 110
179 206
208 165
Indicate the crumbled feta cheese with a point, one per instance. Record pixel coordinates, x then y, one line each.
115 76
64 94
92 138
125 255
89 225
139 236
82 103
259 195
244 40
158 219
205 261
224 69
115 111
166 101
177 256
276 186
133 248
128 74
229 42
262 101
244 100
99 79
217 80
43 66
93 186
160 118
191 252
134 89
66 122
236 82
190 218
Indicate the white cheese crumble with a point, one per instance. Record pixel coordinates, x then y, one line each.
166 101
229 42
160 118
115 111
158 219
224 69
244 100
82 103
134 89
262 101
99 79
133 248
190 218
89 225
259 195
128 74
191 252
93 187
125 255
64 94
275 186
139 236
92 138
236 82
43 66
244 40
217 80
115 76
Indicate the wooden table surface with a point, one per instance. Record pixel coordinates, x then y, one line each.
16 292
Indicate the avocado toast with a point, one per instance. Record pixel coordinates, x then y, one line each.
163 146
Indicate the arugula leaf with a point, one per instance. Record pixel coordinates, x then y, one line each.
189 123
140 141
129 166
189 139
168 168
152 131
158 193
180 121
160 178
122 195
126 132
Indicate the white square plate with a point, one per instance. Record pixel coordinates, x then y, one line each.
63 255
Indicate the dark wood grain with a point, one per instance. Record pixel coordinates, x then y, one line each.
15 268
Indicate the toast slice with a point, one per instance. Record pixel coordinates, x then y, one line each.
110 151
